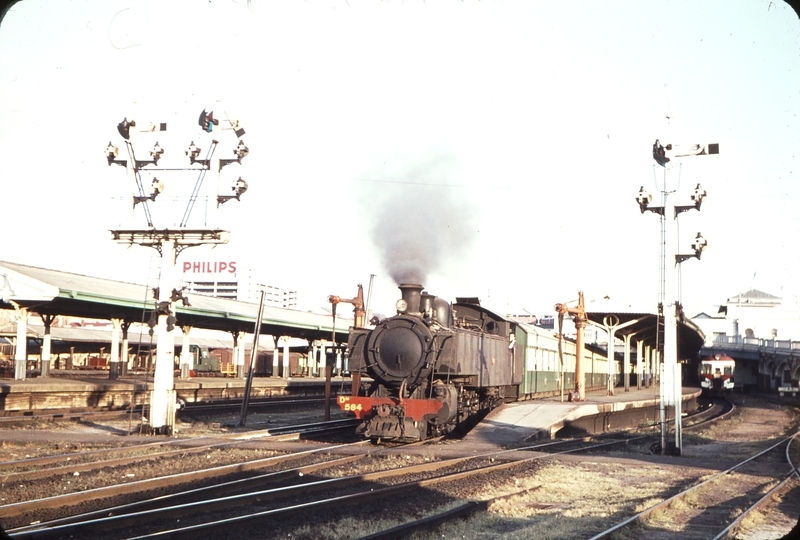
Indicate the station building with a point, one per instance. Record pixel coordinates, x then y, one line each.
751 315
762 333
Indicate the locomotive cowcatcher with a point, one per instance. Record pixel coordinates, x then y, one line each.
434 366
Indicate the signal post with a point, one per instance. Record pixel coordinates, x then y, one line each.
671 387
170 242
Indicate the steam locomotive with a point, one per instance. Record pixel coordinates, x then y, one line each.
433 366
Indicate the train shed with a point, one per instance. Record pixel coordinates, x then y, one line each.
52 293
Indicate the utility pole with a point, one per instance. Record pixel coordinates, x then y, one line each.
671 387
170 242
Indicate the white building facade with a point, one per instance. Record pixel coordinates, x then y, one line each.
751 315
230 279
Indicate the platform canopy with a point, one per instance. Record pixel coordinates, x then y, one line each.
641 319
52 292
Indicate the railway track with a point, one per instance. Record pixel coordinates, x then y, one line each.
176 503
41 467
18 418
323 489
236 404
57 469
217 511
706 510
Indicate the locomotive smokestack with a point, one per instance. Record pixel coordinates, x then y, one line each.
411 295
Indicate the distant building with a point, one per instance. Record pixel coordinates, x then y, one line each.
548 322
527 319
275 296
229 279
753 314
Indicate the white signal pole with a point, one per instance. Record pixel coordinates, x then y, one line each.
170 243
671 388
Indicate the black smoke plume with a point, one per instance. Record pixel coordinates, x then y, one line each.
420 219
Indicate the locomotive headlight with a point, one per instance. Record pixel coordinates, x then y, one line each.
401 306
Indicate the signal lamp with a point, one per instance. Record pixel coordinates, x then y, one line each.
644 199
156 153
698 195
239 187
111 153
157 186
193 152
241 151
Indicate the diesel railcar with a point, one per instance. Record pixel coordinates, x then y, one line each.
717 375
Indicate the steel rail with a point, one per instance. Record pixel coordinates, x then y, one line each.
247 436
476 506
439 518
193 530
46 460
68 525
510 463
254 404
92 465
238 500
766 497
17 419
35 463
14 509
667 502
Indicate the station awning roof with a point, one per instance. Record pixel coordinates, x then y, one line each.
641 320
52 292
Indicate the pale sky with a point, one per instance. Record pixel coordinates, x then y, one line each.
511 137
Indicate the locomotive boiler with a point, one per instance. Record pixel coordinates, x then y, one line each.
434 366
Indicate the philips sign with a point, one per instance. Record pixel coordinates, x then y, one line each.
209 267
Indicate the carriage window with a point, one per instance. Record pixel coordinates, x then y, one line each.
728 370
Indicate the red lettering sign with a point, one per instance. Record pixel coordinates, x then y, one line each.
206 267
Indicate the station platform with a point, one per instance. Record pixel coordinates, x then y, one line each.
77 391
526 421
